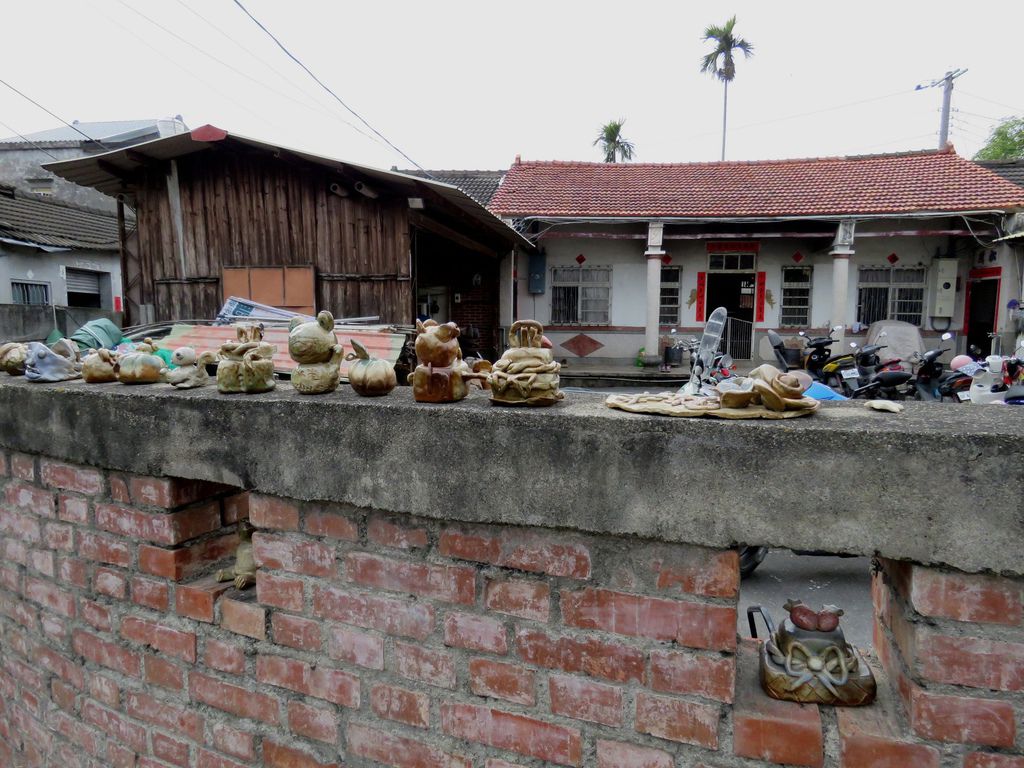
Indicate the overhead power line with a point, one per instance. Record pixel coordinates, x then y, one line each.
323 85
27 140
1016 110
51 114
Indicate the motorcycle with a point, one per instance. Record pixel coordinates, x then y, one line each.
867 366
817 358
932 381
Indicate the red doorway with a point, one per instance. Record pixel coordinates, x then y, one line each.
981 307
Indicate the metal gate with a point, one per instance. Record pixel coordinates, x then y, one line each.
738 338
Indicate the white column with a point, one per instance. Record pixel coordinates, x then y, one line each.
842 252
654 252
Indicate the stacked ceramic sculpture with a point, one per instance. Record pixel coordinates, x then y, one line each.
438 377
314 346
246 365
526 374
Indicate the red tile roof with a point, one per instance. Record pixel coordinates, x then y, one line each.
868 184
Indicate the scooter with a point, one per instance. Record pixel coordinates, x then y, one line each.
931 376
868 365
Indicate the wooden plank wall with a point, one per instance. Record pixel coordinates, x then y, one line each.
250 209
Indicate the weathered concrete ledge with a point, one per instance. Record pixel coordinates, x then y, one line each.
936 484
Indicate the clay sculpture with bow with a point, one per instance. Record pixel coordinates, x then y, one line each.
140 366
526 374
807 659
99 366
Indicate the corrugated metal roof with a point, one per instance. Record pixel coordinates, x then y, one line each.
51 224
100 172
110 130
480 185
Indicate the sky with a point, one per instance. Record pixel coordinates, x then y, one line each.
473 84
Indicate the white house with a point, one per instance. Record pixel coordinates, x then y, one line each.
629 251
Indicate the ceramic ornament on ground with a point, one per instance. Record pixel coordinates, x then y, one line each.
190 372
246 365
766 393
99 366
439 376
526 374
49 364
141 366
314 346
12 358
369 376
808 659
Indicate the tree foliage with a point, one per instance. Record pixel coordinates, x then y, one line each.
1006 142
721 61
613 145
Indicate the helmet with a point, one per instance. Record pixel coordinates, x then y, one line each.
959 362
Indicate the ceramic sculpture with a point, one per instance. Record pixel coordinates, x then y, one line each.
12 358
191 369
439 377
140 366
243 572
99 366
246 365
369 376
314 346
526 374
808 659
43 364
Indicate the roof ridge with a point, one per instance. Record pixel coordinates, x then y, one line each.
730 163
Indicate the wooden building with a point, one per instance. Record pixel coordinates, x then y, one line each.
220 214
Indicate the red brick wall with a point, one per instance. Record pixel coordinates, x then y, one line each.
374 639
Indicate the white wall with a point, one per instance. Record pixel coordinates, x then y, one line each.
32 265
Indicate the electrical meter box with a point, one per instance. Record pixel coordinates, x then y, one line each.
538 272
944 289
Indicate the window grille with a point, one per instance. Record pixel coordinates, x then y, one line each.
30 293
581 295
795 311
730 262
891 293
668 314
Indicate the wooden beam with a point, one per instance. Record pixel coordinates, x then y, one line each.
423 222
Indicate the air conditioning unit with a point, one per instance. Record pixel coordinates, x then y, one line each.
943 298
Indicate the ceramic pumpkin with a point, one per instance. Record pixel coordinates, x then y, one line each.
369 376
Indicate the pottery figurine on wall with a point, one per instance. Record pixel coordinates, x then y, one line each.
246 365
369 376
243 572
44 364
526 374
99 366
191 369
438 377
314 346
12 358
141 365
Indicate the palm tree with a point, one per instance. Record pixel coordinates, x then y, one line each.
725 43
612 143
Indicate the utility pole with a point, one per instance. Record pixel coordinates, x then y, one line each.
946 81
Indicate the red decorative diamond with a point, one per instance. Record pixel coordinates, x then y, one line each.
580 259
666 259
892 258
582 345
798 257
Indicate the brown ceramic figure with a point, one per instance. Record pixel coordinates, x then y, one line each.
99 366
243 572
314 346
808 659
140 366
12 358
246 365
439 376
526 374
